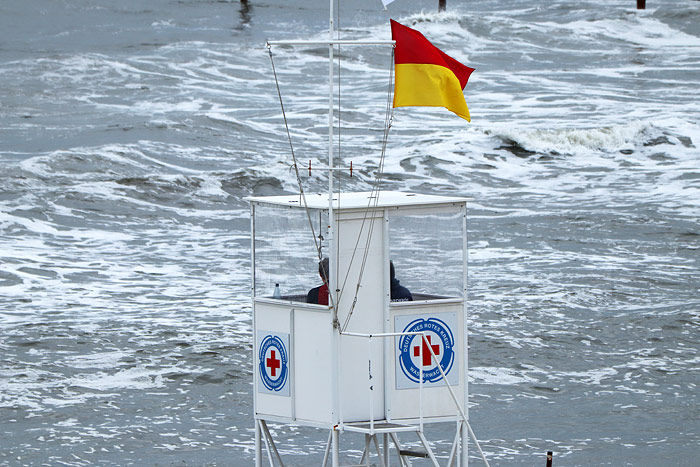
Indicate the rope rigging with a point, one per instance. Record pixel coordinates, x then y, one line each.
374 197
367 221
296 168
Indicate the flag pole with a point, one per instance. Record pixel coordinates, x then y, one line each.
332 262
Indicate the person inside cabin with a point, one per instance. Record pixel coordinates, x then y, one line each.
319 294
399 293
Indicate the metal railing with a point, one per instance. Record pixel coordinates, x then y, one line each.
424 341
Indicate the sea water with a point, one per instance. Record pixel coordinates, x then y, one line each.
130 132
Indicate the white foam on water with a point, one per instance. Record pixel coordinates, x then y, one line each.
8 221
591 377
642 29
583 164
133 378
578 141
500 376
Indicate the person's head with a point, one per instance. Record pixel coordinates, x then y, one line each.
323 270
392 272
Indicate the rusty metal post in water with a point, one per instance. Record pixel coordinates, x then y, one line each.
549 453
641 4
442 4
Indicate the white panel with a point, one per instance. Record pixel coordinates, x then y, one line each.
437 401
367 317
272 319
312 353
356 365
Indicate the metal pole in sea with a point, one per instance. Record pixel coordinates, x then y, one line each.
641 4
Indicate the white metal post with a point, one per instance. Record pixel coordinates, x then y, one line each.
336 447
331 217
292 365
333 257
388 343
421 336
252 254
371 385
385 437
258 444
465 329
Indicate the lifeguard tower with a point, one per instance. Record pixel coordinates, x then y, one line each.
363 363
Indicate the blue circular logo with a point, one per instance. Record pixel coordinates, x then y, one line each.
273 363
415 353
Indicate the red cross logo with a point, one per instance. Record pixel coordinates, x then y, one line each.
273 363
427 357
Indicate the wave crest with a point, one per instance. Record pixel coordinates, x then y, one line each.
575 141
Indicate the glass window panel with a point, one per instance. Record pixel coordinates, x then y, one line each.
426 250
285 252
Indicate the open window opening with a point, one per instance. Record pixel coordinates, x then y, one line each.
426 250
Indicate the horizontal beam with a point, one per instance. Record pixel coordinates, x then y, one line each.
357 429
332 42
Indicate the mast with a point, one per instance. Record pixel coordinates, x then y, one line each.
331 30
333 258
332 235
331 377
331 230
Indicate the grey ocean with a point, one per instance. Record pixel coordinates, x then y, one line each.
130 131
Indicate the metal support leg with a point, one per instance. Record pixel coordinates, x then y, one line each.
336 447
455 453
427 449
379 451
258 445
366 454
404 462
465 444
267 449
476 442
328 449
270 444
386 449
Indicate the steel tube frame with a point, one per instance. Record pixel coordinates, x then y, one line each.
332 42
465 314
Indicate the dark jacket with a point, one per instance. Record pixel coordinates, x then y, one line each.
318 295
399 293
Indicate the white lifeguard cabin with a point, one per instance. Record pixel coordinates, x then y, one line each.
363 363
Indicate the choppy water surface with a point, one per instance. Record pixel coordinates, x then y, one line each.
130 131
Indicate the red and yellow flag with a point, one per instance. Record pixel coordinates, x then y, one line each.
425 75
